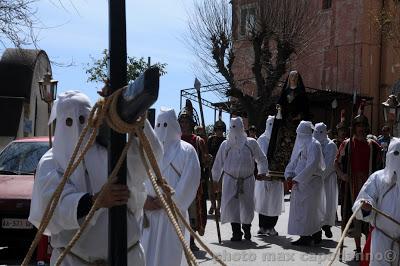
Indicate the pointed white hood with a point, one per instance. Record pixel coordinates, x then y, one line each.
71 110
304 136
321 133
236 136
392 168
167 128
268 127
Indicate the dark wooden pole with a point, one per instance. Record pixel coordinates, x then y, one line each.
117 233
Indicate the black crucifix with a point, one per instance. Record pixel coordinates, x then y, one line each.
134 101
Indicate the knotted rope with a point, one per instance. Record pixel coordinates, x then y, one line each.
174 208
107 109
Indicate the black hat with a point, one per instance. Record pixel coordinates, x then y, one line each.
190 113
220 124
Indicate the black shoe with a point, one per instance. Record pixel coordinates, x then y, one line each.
211 210
236 232
357 255
303 241
317 237
247 235
247 231
236 238
327 230
194 248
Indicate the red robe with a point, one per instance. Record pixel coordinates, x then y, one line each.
366 158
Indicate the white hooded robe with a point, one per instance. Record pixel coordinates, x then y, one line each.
382 190
181 169
89 177
268 195
234 163
306 166
329 150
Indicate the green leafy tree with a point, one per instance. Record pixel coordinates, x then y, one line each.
97 70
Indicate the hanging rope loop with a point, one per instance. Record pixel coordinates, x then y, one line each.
106 110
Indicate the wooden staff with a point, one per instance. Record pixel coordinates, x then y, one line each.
348 184
197 86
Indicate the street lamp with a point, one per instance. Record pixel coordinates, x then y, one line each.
391 113
48 93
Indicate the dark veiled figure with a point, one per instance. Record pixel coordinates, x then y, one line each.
292 107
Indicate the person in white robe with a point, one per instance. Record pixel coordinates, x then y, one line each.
234 163
307 202
329 150
268 194
181 168
382 191
71 111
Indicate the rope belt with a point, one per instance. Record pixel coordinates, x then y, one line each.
394 240
239 183
98 262
333 171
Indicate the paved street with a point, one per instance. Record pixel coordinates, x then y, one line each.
272 250
265 250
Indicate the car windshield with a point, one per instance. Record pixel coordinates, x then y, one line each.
22 157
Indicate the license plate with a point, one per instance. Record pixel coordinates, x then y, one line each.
10 223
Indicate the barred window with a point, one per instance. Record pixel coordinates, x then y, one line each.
247 19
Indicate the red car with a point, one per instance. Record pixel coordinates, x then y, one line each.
18 162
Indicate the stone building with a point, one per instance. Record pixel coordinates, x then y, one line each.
350 53
22 111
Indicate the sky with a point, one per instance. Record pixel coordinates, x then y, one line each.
78 29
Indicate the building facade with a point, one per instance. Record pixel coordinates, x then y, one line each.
348 54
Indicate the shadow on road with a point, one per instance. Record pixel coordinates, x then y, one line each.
241 245
285 243
201 255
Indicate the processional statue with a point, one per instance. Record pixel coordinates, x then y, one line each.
292 107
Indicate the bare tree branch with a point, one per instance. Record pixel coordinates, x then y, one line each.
17 22
278 30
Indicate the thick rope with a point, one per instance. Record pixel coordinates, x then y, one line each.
146 146
95 206
191 259
120 127
349 223
72 165
198 239
385 215
107 109
344 233
117 124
